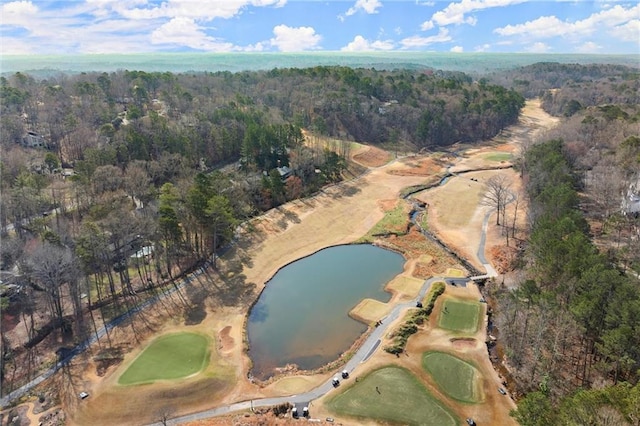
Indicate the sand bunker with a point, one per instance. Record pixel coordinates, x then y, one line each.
463 343
225 340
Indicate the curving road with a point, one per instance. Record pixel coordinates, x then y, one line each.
361 355
21 391
370 345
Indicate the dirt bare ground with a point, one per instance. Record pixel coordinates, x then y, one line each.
339 214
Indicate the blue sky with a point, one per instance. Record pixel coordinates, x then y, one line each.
137 26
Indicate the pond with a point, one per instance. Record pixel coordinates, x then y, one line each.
302 317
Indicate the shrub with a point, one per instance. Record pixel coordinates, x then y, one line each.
415 318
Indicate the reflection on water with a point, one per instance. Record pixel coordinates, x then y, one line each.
259 313
302 315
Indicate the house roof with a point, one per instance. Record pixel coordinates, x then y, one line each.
284 171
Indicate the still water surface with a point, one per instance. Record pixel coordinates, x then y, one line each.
302 315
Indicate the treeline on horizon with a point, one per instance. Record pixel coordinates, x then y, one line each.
567 88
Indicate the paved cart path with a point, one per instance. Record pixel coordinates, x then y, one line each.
370 345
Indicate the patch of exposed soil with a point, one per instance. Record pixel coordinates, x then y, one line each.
9 321
463 343
372 157
387 205
104 364
257 419
418 166
503 258
226 341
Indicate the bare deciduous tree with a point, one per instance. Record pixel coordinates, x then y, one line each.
136 183
50 267
497 195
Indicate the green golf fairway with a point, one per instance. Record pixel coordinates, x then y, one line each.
455 377
498 156
168 357
458 315
391 394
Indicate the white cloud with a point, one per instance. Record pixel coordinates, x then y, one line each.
417 41
361 44
275 3
588 47
18 8
550 26
258 47
17 13
627 32
367 6
482 48
427 25
185 32
122 26
61 31
295 39
538 47
124 43
196 9
16 46
455 13
457 49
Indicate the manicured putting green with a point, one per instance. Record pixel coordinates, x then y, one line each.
455 377
459 315
391 394
168 357
498 156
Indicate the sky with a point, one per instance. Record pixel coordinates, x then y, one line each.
42 27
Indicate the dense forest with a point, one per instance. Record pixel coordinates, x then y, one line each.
571 329
567 88
171 164
114 185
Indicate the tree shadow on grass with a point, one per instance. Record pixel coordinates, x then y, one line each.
237 291
346 190
286 218
196 313
228 289
68 383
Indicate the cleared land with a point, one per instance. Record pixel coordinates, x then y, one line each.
168 357
459 315
391 394
455 377
339 214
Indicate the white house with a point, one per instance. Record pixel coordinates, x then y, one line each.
631 202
